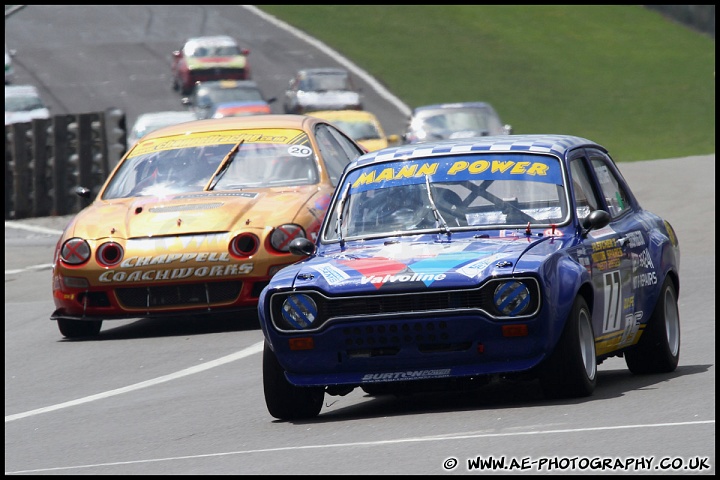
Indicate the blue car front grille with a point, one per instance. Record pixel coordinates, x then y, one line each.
396 306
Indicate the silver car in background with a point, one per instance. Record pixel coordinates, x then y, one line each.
445 121
23 104
315 89
9 70
148 122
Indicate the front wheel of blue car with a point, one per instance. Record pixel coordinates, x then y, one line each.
571 370
284 400
658 349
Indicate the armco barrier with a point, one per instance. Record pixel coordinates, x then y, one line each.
46 160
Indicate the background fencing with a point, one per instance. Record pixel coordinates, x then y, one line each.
47 160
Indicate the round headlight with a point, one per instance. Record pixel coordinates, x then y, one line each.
109 254
244 245
281 236
299 311
75 251
511 298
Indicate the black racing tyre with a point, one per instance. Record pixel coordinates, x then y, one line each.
284 400
658 349
571 370
79 328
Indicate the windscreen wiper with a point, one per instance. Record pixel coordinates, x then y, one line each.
223 166
439 220
340 216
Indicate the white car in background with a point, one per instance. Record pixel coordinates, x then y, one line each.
23 104
453 121
148 122
9 70
317 89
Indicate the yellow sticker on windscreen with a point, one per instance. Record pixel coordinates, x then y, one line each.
228 137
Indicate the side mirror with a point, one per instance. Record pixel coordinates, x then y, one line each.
596 220
82 192
177 54
302 246
508 129
85 194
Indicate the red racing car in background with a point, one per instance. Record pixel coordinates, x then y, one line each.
201 59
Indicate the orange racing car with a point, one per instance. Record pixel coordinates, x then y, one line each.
196 218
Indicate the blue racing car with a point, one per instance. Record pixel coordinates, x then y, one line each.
445 264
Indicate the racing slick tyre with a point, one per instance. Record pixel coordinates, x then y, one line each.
284 400
658 349
571 370
78 328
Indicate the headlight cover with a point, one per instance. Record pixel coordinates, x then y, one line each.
75 251
511 298
299 311
281 236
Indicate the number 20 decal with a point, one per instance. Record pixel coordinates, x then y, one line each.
613 301
299 151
